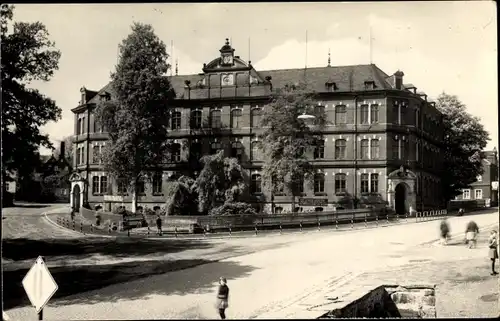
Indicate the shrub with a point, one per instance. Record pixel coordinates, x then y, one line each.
233 209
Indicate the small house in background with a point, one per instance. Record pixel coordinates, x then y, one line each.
484 191
54 177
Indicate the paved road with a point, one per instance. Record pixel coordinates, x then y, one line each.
264 282
26 221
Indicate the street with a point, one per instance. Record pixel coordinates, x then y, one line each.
267 276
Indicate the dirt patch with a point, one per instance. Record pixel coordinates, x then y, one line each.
489 297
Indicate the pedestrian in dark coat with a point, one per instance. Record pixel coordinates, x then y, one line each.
493 246
471 232
222 302
445 231
158 224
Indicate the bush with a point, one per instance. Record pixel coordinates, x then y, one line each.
233 209
121 210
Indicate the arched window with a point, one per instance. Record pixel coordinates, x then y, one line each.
319 150
319 183
215 118
176 153
176 120
237 150
256 152
236 116
196 119
256 117
255 186
196 151
215 147
340 146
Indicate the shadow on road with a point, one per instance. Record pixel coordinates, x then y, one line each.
23 249
78 279
31 205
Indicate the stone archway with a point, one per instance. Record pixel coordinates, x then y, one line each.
401 198
77 191
401 193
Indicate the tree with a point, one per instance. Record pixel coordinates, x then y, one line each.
222 180
182 197
287 141
27 55
137 116
464 139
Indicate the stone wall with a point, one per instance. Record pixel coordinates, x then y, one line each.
389 301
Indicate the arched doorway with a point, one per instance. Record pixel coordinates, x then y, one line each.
76 198
400 198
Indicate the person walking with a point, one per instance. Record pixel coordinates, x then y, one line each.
158 224
471 232
493 244
445 231
222 298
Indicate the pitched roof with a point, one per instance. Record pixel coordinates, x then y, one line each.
346 78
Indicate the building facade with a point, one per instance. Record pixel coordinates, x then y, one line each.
381 143
484 191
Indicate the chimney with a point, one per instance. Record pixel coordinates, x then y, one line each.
83 92
62 151
398 79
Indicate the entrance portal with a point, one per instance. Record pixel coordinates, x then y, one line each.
400 198
76 198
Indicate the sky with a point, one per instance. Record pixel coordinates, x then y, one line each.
440 46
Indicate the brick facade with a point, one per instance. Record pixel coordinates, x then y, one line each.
401 122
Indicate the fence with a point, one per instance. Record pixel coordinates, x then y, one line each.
111 223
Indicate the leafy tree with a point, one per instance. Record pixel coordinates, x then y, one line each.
222 180
137 116
288 141
27 55
464 139
182 197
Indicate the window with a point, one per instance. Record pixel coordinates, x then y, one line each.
196 119
402 144
215 147
364 114
340 183
79 126
122 186
479 178
176 153
278 210
95 185
215 119
395 148
298 184
340 115
374 113
157 183
82 154
176 120
104 185
331 86
236 118
364 183
78 156
318 209
196 151
369 85
319 112
97 125
256 152
478 194
375 149
319 183
364 149
140 188
237 150
319 150
255 187
96 154
416 119
374 183
256 116
82 130
466 194
340 145
417 151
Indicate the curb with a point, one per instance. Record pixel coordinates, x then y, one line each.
74 232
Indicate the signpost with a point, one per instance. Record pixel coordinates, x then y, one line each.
39 285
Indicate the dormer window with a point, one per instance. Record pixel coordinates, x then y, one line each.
105 96
369 85
331 86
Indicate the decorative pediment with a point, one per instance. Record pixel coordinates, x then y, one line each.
402 173
218 64
75 177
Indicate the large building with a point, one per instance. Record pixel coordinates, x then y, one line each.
484 191
381 144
